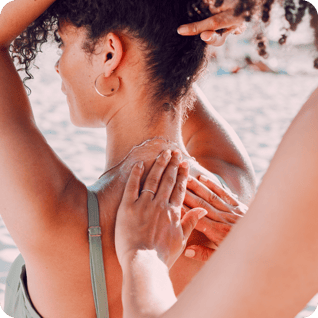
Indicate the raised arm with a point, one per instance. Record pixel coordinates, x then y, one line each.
267 266
33 179
216 146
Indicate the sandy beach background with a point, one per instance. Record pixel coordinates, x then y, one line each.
259 106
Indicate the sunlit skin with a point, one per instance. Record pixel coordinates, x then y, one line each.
45 206
126 118
266 267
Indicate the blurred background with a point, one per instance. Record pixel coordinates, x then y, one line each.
258 97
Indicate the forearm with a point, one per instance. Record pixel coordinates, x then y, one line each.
216 146
38 179
147 289
17 15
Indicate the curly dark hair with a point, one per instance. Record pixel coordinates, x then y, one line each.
173 62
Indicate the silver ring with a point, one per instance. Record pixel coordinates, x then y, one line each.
147 191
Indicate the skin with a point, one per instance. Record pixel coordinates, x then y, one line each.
256 272
44 195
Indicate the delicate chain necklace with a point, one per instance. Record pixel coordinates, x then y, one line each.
142 144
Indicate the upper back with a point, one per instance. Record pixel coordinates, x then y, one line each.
61 274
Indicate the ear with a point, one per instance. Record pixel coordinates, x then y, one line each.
113 53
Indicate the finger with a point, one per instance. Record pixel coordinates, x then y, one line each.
240 29
207 194
179 190
214 231
131 192
190 221
222 193
169 177
216 39
155 173
223 20
194 201
240 210
199 253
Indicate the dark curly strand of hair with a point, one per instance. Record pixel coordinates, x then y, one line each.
261 45
245 8
295 18
289 7
267 6
294 15
300 12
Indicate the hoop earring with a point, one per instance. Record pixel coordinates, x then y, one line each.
113 86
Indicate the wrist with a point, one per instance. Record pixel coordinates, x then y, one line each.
142 256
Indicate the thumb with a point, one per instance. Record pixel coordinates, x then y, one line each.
190 220
213 38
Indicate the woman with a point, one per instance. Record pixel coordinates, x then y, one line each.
116 74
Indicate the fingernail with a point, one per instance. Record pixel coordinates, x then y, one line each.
207 38
189 253
185 164
178 155
140 164
203 178
167 154
203 213
182 29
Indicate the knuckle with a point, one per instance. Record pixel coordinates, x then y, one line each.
161 161
130 187
170 180
194 27
153 180
213 24
201 203
162 205
181 188
212 197
233 218
174 164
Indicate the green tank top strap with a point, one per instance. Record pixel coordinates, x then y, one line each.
96 257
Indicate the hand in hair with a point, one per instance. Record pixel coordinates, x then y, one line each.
215 29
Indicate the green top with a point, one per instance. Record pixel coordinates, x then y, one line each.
17 302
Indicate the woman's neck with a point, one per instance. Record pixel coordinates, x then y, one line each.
130 128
